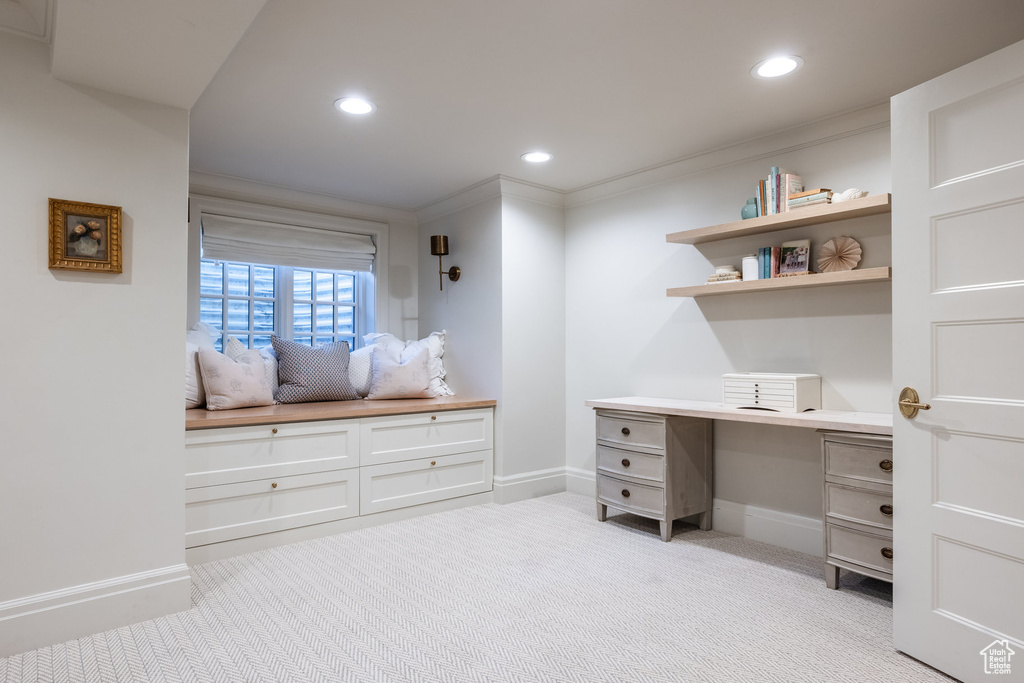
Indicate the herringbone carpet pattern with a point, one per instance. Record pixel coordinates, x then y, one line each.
533 591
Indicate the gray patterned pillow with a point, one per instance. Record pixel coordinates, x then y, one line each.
307 374
240 383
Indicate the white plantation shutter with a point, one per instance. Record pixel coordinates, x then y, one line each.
251 241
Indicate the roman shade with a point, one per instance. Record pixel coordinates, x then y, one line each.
251 241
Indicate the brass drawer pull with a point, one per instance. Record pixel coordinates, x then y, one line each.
274 430
274 485
433 462
886 510
887 553
885 465
433 417
625 462
625 431
625 493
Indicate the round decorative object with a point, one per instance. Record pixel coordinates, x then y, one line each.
839 253
750 210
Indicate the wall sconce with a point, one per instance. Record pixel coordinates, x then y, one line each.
439 248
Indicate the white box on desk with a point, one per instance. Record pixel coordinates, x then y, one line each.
786 393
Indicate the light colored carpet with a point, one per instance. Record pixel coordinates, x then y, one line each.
533 591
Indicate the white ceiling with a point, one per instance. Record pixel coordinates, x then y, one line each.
463 87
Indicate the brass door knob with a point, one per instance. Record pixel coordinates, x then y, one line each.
625 431
885 465
625 462
887 553
886 510
274 485
625 493
910 403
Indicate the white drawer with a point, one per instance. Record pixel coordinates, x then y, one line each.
628 433
858 505
426 435
632 464
222 513
235 454
867 550
414 482
859 462
757 401
751 385
648 501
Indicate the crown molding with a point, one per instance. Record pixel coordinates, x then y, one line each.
531 192
820 132
483 191
28 18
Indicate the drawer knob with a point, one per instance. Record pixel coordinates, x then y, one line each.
625 493
625 462
274 430
885 465
433 462
433 417
274 485
886 510
887 553
625 431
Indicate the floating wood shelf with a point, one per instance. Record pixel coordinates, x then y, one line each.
822 213
846 277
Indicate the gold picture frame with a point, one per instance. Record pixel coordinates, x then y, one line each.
85 236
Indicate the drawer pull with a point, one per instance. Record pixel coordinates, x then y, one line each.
274 485
274 430
887 553
625 462
625 493
433 417
625 431
885 465
886 510
433 462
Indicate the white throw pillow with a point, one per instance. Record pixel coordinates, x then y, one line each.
200 336
235 348
400 351
391 379
360 369
240 383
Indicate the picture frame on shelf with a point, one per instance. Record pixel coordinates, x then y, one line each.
85 236
795 258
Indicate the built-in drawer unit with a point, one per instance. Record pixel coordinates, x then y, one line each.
789 393
234 454
230 511
654 466
857 504
425 435
413 482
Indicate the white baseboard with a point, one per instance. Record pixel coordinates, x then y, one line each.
581 481
46 618
534 484
803 534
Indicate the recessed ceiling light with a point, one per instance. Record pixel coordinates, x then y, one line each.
355 105
776 66
537 157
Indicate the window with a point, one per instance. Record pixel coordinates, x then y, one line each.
308 305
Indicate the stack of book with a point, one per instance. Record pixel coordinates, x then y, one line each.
815 197
773 192
792 258
725 274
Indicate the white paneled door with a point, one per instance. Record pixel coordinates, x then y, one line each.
958 339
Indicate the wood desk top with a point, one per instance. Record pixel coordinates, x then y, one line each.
200 418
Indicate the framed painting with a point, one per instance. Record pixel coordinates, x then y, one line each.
85 236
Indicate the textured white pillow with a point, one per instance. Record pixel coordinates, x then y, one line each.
391 379
239 383
235 348
360 369
200 336
400 351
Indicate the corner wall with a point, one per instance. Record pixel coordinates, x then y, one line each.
92 515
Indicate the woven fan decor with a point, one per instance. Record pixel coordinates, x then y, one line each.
839 253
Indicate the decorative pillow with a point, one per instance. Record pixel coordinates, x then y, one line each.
240 383
400 351
312 374
235 348
200 336
360 369
407 379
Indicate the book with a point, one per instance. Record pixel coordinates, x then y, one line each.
767 272
791 183
804 193
816 202
795 257
776 259
809 198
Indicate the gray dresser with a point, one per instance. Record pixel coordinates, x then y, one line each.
858 505
654 466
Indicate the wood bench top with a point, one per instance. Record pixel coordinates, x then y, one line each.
200 418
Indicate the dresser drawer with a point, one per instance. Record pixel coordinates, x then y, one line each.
414 482
858 505
229 511
758 401
630 434
859 462
426 435
625 495
236 454
859 548
632 464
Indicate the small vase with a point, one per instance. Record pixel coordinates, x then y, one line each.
750 210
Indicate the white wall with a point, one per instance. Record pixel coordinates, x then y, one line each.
91 515
625 337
